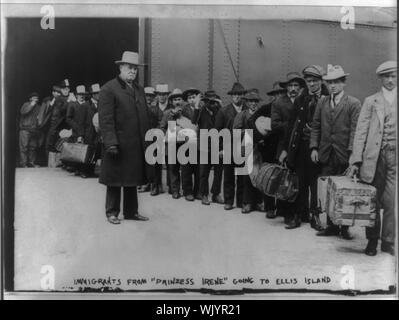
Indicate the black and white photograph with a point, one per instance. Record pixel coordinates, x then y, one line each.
185 149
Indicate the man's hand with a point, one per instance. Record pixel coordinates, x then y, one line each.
197 100
315 156
283 156
79 140
352 171
113 151
71 97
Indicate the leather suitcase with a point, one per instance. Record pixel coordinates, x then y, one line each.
350 203
276 181
76 152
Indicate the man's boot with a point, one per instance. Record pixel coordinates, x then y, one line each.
371 249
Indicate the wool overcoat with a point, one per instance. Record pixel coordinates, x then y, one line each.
124 120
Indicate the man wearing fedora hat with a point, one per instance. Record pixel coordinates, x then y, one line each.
91 136
297 152
28 131
204 117
332 133
76 119
224 120
124 120
157 111
282 110
267 140
252 197
374 156
173 113
58 117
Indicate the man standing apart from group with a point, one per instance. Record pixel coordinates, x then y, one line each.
374 155
124 120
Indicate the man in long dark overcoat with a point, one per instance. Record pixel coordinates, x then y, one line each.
124 120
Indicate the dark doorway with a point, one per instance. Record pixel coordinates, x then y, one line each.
82 50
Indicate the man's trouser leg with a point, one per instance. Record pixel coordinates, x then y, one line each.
217 179
385 183
23 147
239 190
302 200
228 183
174 175
130 202
187 173
113 201
250 193
204 178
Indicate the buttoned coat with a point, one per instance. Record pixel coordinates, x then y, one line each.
300 123
281 113
334 129
124 120
368 137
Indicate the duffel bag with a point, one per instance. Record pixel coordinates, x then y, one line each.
288 187
267 179
76 152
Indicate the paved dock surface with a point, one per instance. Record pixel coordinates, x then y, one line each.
61 230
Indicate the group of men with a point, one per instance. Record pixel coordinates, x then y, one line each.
317 129
64 116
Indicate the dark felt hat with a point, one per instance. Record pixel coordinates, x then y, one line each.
293 76
189 92
33 94
277 88
237 89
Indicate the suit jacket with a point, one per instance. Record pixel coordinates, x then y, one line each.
90 134
334 129
45 112
368 137
156 114
76 118
58 117
281 113
225 117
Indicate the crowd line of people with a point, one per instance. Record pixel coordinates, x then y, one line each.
317 129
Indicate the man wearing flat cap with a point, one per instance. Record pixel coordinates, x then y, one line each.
28 131
374 156
297 152
251 198
332 133
204 117
282 110
224 120
124 120
267 140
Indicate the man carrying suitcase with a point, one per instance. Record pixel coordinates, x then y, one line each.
374 155
332 133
